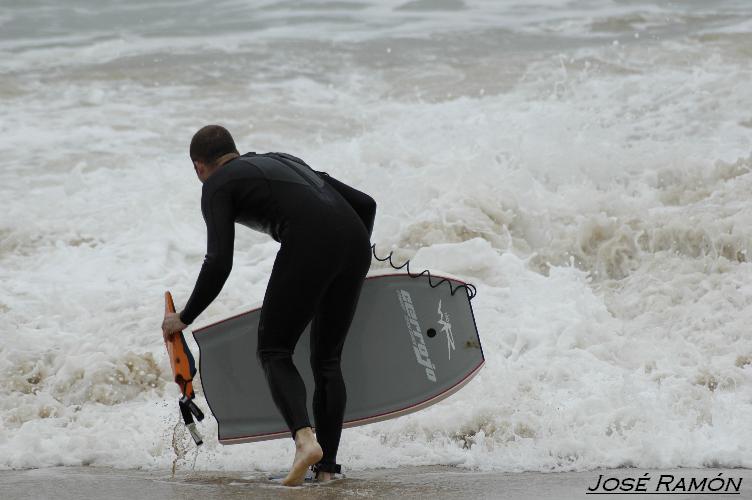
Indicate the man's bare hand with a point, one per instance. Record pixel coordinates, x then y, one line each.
172 325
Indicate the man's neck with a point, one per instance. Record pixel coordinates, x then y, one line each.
225 158
221 161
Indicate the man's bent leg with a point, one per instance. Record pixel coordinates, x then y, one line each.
291 296
293 293
328 331
287 388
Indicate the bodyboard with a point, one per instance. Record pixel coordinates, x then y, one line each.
410 345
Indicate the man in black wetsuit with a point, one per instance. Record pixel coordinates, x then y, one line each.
324 227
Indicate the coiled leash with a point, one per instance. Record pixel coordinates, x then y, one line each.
469 287
183 369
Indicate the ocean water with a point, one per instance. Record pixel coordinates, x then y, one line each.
586 164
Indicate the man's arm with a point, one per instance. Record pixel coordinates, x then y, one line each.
364 205
220 242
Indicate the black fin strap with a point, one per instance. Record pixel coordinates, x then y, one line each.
325 467
187 406
188 409
185 412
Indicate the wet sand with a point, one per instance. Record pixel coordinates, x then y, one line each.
437 482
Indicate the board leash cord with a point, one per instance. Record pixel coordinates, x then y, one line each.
469 287
183 369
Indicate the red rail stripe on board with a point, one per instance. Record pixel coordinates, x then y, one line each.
376 418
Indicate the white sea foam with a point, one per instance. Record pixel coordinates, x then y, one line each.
596 193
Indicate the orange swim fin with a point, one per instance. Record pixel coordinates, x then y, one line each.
183 370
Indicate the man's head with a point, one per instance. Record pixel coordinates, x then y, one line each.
211 147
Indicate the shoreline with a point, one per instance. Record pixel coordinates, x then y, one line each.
434 482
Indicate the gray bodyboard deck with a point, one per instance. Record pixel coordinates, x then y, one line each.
410 345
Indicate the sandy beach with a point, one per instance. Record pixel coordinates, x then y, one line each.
84 483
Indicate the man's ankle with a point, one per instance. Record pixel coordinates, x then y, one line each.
303 435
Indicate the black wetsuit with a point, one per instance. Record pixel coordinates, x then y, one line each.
324 227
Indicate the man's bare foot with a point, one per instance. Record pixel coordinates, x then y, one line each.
307 453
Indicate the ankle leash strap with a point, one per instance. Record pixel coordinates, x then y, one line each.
324 467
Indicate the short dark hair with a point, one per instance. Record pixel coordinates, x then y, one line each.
211 142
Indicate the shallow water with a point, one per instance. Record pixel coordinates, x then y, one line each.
83 483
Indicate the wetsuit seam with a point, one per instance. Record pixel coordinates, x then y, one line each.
272 227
